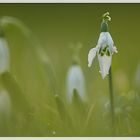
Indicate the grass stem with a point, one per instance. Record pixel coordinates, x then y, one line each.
111 102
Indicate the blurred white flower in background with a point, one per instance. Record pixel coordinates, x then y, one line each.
75 80
4 54
5 101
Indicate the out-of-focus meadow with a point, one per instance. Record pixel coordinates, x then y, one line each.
35 96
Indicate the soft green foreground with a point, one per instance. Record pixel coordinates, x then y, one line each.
36 110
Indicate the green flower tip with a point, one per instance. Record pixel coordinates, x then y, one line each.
104 51
106 16
104 24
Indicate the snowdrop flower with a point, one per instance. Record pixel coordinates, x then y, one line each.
75 80
5 105
104 48
4 54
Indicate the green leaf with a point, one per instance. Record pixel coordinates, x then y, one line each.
64 114
60 107
18 98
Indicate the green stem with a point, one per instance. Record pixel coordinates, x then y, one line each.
111 102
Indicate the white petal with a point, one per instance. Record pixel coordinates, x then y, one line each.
104 63
75 80
109 39
4 56
91 55
110 43
102 39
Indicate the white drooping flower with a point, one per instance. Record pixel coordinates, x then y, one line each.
5 105
104 50
75 81
4 55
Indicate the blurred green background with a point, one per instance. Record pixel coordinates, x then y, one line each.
56 26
